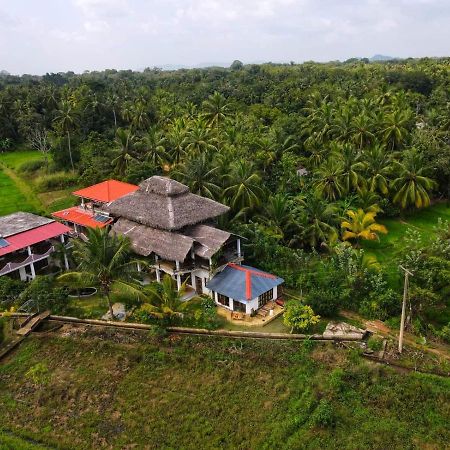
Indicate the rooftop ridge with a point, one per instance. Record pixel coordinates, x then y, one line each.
248 277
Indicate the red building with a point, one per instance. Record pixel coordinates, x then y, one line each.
90 213
27 242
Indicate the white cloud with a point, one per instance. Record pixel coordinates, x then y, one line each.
90 34
94 9
96 26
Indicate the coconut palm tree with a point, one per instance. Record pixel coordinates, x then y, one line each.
125 142
216 110
66 118
396 128
362 130
330 182
244 191
278 214
378 167
153 144
199 138
352 167
177 140
317 219
139 116
198 173
165 301
113 102
361 225
105 261
411 186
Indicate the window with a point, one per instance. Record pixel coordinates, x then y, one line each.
3 243
238 306
264 298
223 299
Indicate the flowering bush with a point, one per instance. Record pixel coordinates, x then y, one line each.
299 317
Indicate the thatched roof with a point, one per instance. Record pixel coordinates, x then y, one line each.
165 204
210 239
21 221
146 240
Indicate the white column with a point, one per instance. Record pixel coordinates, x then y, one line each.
82 202
238 248
139 267
177 265
66 261
178 281
23 274
158 273
33 272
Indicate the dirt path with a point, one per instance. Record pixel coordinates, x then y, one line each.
24 188
378 327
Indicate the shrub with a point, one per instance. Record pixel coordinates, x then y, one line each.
2 329
445 333
381 306
32 166
38 374
10 290
58 180
323 416
324 301
299 317
375 343
45 295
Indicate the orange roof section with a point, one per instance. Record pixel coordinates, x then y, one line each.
80 217
106 191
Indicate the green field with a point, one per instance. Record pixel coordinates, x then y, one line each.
12 199
390 244
99 388
15 159
19 191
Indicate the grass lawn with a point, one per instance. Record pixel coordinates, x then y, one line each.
57 200
12 199
95 388
389 245
15 159
24 184
10 441
93 307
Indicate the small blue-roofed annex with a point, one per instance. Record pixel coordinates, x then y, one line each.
243 288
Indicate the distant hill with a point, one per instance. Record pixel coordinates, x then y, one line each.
381 58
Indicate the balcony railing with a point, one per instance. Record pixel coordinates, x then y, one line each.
34 257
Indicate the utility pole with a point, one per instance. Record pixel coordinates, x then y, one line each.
405 296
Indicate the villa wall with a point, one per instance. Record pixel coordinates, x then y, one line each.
249 305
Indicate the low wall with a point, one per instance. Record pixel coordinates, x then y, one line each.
198 331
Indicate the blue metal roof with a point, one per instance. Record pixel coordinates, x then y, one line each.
233 282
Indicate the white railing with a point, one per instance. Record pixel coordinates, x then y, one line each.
34 257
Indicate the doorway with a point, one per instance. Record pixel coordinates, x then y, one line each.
198 285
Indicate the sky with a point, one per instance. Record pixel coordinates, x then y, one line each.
39 36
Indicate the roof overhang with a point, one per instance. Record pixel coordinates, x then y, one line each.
81 217
23 240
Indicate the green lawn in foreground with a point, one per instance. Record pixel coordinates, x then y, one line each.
12 199
106 389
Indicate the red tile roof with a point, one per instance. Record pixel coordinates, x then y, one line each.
80 216
107 191
30 237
